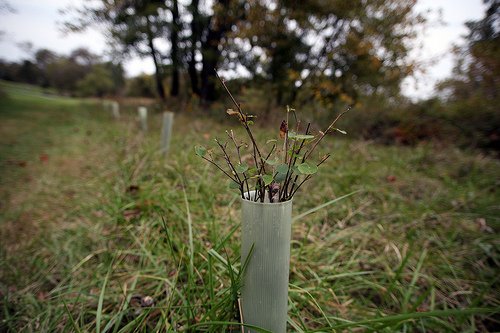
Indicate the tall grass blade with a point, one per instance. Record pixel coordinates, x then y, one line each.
414 280
190 231
326 204
71 319
396 319
101 301
232 323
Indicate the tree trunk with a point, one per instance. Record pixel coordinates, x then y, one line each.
221 23
279 95
211 57
195 37
157 63
174 38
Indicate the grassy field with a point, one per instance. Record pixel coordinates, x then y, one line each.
99 233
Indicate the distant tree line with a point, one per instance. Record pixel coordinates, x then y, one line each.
80 73
312 54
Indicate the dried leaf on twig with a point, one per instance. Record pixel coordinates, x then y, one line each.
283 129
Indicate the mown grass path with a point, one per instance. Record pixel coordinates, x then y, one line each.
95 230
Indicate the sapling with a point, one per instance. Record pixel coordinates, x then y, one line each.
278 174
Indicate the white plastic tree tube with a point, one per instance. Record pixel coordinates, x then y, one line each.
166 133
115 109
143 117
266 236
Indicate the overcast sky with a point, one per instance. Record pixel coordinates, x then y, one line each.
38 22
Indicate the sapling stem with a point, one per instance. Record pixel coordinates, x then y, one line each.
285 145
287 178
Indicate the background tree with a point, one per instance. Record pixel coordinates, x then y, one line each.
175 30
192 45
279 49
81 72
133 26
63 73
307 50
473 94
208 39
43 58
117 76
28 72
98 82
334 49
141 86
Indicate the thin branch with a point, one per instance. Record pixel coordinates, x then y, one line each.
285 145
326 132
218 167
231 136
295 161
231 166
259 181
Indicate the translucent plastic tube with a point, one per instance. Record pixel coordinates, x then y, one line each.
264 295
143 117
166 133
115 109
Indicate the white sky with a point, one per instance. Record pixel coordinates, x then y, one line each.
38 22
438 40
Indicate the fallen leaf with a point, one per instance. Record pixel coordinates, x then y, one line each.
391 178
42 295
98 213
133 189
21 164
147 301
130 214
44 158
481 223
283 129
135 301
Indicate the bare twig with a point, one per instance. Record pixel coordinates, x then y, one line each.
242 115
231 136
218 167
231 166
285 144
326 132
287 179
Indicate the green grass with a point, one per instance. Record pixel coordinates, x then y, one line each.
80 247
